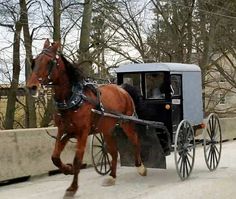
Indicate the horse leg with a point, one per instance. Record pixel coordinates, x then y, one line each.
59 146
112 150
129 129
81 144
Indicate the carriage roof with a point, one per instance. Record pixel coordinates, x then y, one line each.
154 67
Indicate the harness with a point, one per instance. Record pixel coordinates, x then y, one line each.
77 98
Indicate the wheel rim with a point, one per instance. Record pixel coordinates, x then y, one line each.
184 149
100 158
212 142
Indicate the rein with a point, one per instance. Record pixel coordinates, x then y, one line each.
54 137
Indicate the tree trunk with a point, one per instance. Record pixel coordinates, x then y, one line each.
30 111
47 117
57 21
11 97
83 53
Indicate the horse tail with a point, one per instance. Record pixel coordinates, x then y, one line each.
133 92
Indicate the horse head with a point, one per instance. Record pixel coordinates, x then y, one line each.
44 68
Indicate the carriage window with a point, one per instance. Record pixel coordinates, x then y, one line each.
133 79
154 85
176 85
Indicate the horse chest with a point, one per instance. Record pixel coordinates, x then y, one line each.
69 121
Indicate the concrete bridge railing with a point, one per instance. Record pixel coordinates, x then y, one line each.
27 152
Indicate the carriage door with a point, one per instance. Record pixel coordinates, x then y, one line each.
177 100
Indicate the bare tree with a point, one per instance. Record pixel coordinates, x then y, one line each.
11 102
30 112
84 46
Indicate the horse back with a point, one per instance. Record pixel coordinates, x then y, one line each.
115 98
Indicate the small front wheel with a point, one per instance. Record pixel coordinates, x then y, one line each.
101 160
184 149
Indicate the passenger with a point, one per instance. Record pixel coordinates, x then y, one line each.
154 85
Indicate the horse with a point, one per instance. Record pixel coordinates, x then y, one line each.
74 100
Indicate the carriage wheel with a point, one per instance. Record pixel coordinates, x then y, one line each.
101 160
212 140
184 149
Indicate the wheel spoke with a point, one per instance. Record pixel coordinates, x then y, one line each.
216 149
97 146
216 153
188 161
209 153
184 162
97 153
209 132
180 157
100 139
186 165
102 163
100 158
189 155
107 159
214 157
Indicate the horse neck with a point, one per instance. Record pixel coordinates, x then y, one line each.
63 87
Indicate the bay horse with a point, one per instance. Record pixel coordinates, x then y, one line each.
73 117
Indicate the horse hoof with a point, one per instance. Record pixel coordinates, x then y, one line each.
142 170
109 181
69 194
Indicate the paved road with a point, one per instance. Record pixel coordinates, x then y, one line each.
163 184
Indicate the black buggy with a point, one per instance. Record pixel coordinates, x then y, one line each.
168 98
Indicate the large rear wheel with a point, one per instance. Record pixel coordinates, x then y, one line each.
184 149
212 140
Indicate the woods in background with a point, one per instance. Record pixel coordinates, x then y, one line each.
102 34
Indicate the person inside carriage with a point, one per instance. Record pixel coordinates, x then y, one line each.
154 86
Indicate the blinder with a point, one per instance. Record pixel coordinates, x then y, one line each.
51 64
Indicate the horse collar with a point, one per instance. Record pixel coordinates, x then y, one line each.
75 100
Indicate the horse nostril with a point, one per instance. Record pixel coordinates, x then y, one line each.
33 91
34 88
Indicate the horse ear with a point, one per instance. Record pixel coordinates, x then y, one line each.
55 46
46 43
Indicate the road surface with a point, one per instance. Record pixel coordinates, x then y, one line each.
163 184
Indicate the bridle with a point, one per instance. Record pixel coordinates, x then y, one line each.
51 65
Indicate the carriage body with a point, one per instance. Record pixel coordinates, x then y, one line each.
182 92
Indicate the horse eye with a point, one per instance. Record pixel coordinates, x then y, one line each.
32 63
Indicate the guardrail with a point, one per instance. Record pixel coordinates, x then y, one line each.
27 152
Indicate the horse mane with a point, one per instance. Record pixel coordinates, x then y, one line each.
133 92
73 71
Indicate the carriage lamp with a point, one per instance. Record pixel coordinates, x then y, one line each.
167 106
